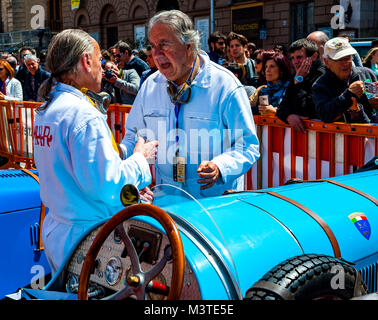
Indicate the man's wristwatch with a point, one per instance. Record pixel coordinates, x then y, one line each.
298 79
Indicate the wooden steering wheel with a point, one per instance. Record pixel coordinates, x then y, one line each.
139 279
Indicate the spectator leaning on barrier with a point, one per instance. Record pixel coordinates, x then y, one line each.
297 104
339 93
198 111
126 81
33 78
357 61
267 98
10 87
217 47
127 60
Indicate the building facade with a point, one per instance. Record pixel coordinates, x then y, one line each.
25 15
28 23
266 22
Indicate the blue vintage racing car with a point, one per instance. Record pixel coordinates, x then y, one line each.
305 240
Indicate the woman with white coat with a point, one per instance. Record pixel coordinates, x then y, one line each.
10 87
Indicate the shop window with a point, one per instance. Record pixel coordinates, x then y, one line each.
302 19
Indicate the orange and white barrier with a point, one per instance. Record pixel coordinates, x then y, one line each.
16 132
324 150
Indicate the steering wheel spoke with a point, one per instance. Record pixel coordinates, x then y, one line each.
158 268
135 264
122 294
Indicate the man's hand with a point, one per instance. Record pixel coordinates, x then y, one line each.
115 73
148 149
357 88
209 173
1 96
146 195
296 122
304 69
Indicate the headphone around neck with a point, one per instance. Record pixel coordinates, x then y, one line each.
182 96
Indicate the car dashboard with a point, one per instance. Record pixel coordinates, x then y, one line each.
113 265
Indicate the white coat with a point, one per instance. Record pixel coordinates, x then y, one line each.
216 125
81 175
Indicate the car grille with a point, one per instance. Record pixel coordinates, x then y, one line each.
370 275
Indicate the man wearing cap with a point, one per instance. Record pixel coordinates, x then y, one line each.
339 93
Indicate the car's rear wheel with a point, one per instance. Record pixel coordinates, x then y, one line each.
309 277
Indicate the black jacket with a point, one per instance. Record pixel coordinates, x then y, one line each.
40 76
298 97
333 99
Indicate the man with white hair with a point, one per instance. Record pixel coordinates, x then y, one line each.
33 77
339 93
198 110
80 171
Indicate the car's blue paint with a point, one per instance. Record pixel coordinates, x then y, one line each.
249 232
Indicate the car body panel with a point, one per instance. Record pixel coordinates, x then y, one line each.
229 241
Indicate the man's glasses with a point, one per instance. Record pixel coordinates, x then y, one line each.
221 43
119 55
258 60
1 69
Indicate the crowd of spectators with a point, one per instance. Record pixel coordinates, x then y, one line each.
314 78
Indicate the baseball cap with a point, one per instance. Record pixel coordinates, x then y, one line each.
337 48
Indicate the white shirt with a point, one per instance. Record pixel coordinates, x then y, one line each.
81 175
216 125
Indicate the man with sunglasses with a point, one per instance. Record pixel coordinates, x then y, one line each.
217 46
198 111
21 70
127 60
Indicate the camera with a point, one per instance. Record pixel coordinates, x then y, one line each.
237 69
109 74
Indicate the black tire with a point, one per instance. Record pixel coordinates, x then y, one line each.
308 277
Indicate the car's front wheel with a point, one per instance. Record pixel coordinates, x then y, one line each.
309 277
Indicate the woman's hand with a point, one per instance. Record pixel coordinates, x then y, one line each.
268 110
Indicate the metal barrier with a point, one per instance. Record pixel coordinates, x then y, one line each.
324 150
16 133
